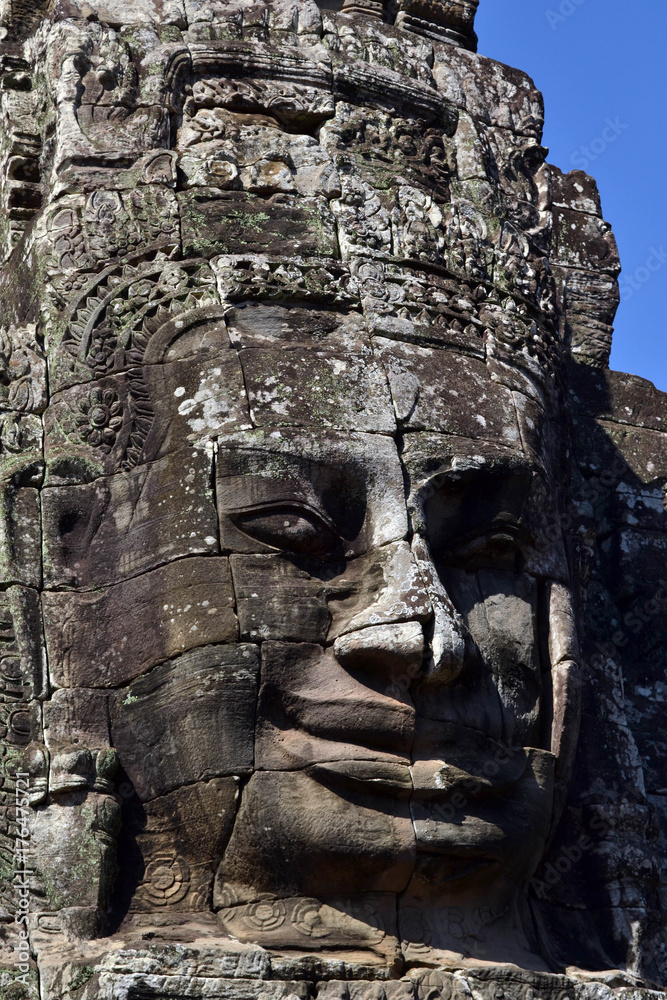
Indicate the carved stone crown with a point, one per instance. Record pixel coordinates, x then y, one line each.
453 19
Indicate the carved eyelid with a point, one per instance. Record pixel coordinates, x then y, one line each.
518 533
281 506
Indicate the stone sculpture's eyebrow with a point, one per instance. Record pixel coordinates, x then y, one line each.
472 471
249 479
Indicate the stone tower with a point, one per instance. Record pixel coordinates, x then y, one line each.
332 551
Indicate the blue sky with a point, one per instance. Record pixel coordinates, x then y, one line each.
601 61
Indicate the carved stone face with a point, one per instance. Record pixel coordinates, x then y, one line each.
323 640
404 696
303 356
302 565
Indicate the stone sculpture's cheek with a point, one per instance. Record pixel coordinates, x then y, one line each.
500 687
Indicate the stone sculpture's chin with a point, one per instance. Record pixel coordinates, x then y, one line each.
356 831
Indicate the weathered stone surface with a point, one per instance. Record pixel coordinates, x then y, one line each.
312 925
121 526
621 398
237 222
312 711
313 388
258 157
22 532
331 553
295 835
180 841
342 494
277 599
430 404
209 694
106 637
144 414
77 716
584 242
260 325
75 840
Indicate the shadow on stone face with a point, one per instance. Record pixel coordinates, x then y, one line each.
133 866
596 895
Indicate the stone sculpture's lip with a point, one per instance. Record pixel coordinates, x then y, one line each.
438 788
453 869
365 776
398 778
377 724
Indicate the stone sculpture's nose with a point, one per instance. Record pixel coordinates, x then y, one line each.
379 627
409 627
450 641
392 651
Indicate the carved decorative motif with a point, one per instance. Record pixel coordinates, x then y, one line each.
166 880
100 419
